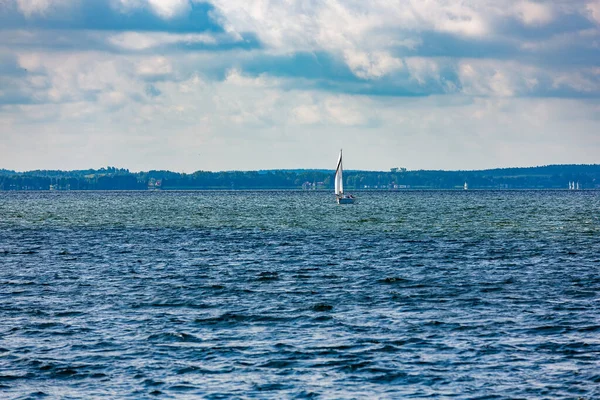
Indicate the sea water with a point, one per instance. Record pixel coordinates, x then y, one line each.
409 294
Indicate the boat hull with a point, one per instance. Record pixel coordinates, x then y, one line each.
345 200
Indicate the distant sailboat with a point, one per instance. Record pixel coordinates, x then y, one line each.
339 185
466 187
574 185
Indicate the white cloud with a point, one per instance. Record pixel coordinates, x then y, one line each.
147 40
593 8
191 84
164 8
169 8
112 99
154 66
371 65
235 77
589 38
423 69
32 7
495 78
459 18
352 24
532 13
307 114
577 81
363 33
30 61
133 40
347 110
72 77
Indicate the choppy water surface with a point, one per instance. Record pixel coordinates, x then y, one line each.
490 294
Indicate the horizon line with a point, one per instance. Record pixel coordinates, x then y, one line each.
297 169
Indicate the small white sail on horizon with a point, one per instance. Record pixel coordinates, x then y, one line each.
339 179
574 185
339 184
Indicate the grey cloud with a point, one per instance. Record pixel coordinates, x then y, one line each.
556 59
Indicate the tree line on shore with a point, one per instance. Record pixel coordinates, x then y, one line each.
111 178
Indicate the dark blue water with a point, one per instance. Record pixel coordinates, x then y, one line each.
479 294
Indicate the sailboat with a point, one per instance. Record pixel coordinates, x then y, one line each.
339 185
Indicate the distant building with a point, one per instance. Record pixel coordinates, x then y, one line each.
154 184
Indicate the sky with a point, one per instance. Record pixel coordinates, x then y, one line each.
214 85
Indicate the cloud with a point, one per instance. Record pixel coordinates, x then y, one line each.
372 38
144 41
345 111
307 114
371 65
261 126
299 77
60 78
169 8
153 67
579 82
594 10
32 7
487 82
163 8
532 13
343 25
175 16
423 70
166 9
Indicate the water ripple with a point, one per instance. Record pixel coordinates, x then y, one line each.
489 295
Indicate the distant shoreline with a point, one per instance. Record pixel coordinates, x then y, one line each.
301 170
544 177
320 191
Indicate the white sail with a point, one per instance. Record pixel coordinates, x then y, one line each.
339 183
